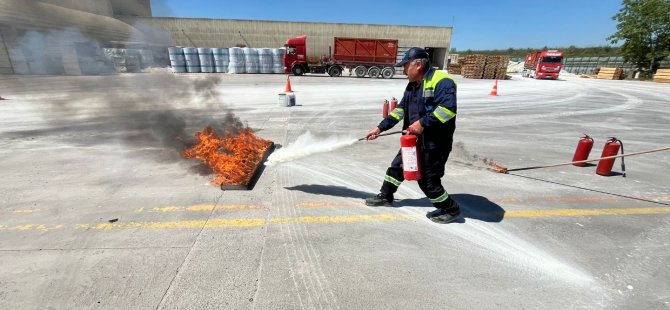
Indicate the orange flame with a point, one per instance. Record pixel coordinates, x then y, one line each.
233 160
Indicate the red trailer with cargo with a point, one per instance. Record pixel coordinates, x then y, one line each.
543 65
364 57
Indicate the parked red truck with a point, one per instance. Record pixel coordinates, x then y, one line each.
543 65
366 57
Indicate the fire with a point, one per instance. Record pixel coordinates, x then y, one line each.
233 159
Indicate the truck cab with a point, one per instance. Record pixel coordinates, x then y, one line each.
295 58
543 65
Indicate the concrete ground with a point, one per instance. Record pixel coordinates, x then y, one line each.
77 153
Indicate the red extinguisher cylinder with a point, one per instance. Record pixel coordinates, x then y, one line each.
385 109
394 103
583 150
409 151
611 149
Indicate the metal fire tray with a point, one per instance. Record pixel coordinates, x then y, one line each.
260 167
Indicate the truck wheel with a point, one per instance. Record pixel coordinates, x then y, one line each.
298 70
360 71
373 72
335 71
388 72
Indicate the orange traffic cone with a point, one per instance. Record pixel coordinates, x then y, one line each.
288 85
494 91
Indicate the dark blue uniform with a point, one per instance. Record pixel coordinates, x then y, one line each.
433 102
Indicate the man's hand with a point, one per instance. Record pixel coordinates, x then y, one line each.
416 128
372 134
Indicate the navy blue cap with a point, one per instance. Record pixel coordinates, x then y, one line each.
412 54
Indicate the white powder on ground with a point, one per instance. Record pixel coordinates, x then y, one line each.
307 144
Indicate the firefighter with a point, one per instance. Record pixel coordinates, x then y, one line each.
428 110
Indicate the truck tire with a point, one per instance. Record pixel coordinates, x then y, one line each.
298 70
360 71
373 72
335 71
388 72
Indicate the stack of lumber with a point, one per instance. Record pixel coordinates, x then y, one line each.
611 74
485 67
473 66
662 76
454 68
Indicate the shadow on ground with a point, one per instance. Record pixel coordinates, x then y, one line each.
472 206
330 190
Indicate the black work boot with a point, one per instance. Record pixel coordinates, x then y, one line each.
379 201
446 215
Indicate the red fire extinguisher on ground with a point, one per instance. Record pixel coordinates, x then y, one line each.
394 103
411 165
583 150
611 149
385 109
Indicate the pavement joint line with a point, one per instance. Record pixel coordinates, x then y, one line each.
385 217
161 302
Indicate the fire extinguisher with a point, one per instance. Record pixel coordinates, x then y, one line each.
411 165
385 109
394 103
611 149
583 150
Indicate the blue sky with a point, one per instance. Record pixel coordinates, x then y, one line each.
478 24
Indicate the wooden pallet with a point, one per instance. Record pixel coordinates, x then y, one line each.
611 74
454 69
662 76
478 66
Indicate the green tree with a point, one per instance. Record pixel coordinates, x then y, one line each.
644 26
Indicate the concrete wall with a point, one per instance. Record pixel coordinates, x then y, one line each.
131 7
228 33
5 61
100 7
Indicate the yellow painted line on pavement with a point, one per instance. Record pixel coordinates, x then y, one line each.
316 204
341 219
255 222
31 227
578 199
586 212
200 208
174 224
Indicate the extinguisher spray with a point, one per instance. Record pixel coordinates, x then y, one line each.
411 165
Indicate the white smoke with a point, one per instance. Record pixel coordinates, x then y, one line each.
307 144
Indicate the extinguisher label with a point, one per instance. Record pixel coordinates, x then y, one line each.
409 162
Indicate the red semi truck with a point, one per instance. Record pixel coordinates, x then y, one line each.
543 65
371 57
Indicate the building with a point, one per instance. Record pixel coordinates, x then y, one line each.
66 36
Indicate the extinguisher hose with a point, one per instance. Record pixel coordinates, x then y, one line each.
502 169
386 134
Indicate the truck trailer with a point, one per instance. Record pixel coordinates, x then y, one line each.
543 65
364 57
